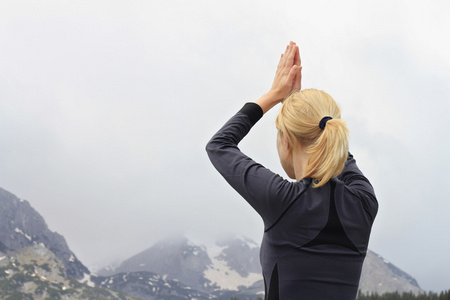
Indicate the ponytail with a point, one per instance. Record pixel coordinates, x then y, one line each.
327 145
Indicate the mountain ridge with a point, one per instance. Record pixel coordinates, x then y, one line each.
233 265
172 268
36 273
22 226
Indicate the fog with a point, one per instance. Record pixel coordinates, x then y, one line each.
106 107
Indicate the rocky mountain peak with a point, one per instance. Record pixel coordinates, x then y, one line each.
22 226
240 254
36 273
230 268
380 276
174 258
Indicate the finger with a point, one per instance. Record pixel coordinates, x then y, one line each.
286 53
292 73
286 61
293 52
297 83
281 61
290 54
297 60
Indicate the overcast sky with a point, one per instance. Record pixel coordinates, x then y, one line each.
106 107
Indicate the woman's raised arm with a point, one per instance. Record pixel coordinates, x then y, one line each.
288 78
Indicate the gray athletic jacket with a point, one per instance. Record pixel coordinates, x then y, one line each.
315 239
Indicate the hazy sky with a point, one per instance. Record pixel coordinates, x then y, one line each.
106 107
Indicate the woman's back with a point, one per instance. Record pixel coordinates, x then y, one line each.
309 250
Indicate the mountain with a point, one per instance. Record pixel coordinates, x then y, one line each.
22 226
380 276
174 258
231 264
36 263
149 286
231 268
235 266
36 273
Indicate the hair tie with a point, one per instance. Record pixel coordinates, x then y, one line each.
324 121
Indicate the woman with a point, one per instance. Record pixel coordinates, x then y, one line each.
316 229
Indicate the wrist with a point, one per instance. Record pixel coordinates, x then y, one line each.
268 100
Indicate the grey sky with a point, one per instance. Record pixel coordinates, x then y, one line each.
106 106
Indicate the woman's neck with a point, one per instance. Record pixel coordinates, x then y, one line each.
300 162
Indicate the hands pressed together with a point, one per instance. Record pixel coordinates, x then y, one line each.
287 79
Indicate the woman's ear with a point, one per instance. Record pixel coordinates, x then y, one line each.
285 147
285 154
286 143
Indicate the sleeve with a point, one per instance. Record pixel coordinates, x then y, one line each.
268 193
357 184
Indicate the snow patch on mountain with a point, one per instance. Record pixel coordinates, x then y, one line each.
87 280
227 279
224 272
22 233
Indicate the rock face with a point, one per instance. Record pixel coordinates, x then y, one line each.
228 269
240 255
36 273
22 226
175 259
149 286
380 276
235 266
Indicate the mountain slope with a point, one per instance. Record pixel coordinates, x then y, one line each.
173 258
231 267
22 226
149 286
235 265
173 268
380 276
36 273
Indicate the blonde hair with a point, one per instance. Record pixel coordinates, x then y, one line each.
299 119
